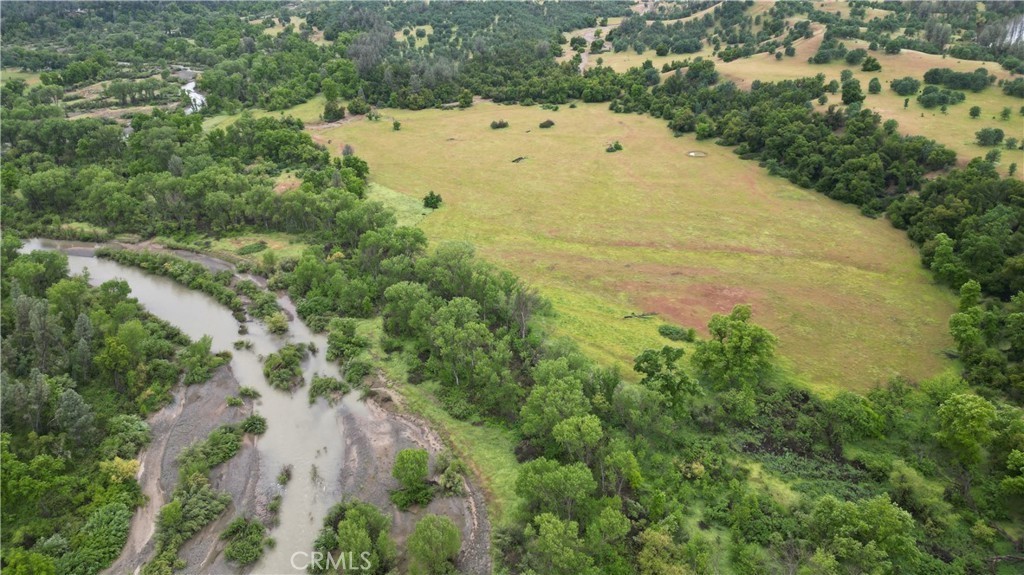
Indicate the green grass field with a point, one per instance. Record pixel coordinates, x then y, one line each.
30 78
408 210
652 229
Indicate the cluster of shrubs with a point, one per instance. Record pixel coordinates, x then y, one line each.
975 81
933 96
330 388
614 147
195 503
498 124
676 333
262 304
246 540
283 368
1014 88
989 136
906 86
411 471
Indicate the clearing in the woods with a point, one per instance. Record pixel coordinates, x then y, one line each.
652 228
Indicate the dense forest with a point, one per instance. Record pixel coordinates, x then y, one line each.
662 476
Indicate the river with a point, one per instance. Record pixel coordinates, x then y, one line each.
298 434
198 100
336 452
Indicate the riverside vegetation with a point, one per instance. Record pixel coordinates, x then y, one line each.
710 460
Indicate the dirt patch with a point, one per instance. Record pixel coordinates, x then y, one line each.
286 184
695 304
193 413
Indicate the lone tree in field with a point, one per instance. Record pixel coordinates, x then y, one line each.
432 201
433 546
975 111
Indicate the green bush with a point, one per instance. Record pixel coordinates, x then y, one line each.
221 445
906 86
358 106
676 333
498 124
342 341
252 248
255 424
357 370
410 470
451 471
248 392
277 323
547 124
434 544
283 369
99 541
194 505
327 387
246 539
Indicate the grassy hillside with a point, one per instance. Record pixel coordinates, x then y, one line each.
653 229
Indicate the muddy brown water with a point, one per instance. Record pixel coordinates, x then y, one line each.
335 452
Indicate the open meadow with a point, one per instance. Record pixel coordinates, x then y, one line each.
30 78
651 229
